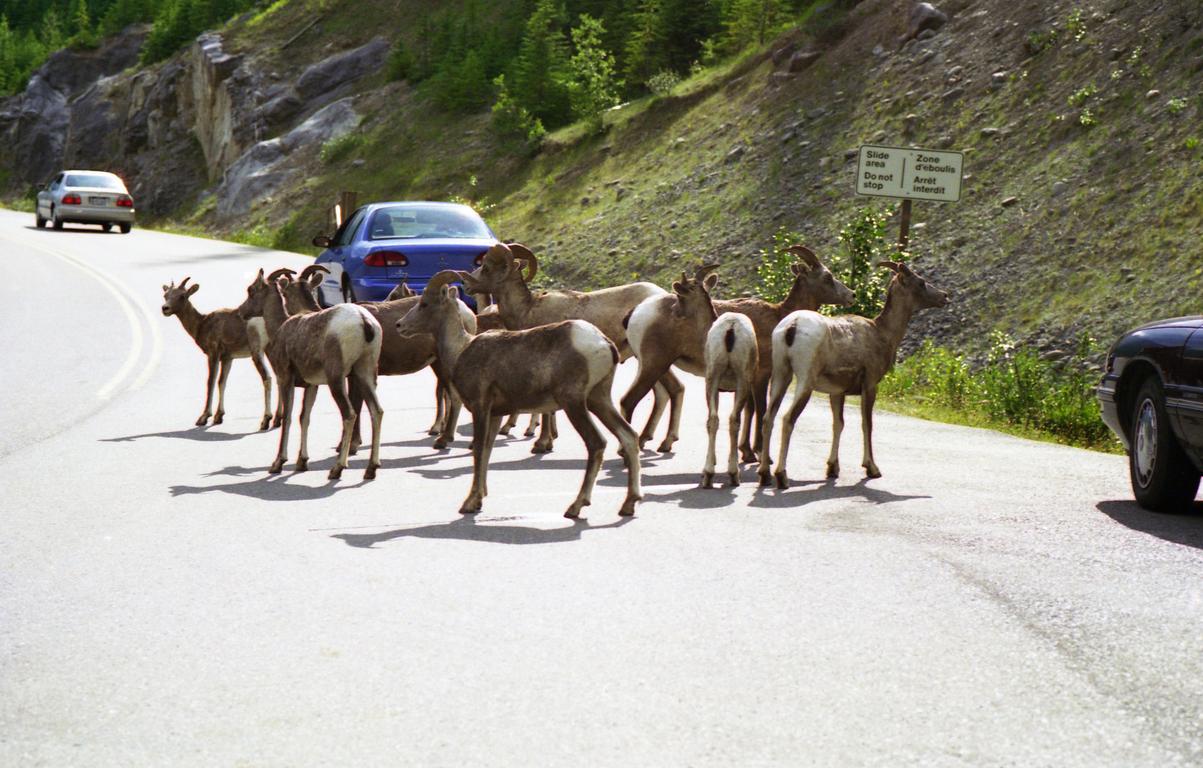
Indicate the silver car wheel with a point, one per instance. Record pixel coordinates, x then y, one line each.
1144 450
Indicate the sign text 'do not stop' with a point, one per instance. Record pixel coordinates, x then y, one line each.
910 174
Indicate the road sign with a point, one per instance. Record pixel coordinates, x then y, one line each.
909 174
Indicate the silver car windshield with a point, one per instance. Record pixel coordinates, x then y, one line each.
92 180
400 221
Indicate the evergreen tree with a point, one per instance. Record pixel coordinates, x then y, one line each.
645 46
684 25
79 21
540 73
749 21
51 34
8 58
593 88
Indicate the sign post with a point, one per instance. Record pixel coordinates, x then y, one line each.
909 174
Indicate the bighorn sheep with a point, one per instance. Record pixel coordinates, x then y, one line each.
567 365
501 274
841 356
731 361
222 335
320 347
402 291
814 285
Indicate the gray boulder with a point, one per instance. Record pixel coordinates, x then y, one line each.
332 73
924 17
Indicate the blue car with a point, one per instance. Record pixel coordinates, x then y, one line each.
384 244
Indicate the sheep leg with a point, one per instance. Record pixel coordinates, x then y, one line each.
365 376
752 441
711 428
651 371
451 419
356 398
481 436
659 403
266 377
867 398
837 429
603 407
509 425
226 363
337 382
676 397
546 434
440 406
494 425
741 399
214 363
595 444
307 401
801 398
531 425
779 385
286 391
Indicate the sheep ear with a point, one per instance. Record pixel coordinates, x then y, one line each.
166 288
676 287
195 287
710 281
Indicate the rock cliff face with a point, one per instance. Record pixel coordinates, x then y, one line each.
205 120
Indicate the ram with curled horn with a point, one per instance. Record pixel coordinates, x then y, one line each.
566 365
222 336
501 274
813 286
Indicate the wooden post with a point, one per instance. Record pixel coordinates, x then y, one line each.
904 232
348 202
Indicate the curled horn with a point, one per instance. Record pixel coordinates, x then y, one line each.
311 269
446 277
807 255
893 266
702 272
520 251
184 282
282 272
498 251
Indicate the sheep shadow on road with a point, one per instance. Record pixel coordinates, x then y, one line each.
200 434
809 491
469 528
1184 529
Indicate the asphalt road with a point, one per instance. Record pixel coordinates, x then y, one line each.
163 601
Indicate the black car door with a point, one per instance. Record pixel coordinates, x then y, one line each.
1184 397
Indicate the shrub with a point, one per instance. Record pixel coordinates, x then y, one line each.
774 272
662 83
864 244
337 149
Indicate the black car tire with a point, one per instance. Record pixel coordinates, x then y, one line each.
107 227
58 223
125 228
1163 478
39 220
348 291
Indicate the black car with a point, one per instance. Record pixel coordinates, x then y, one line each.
1152 398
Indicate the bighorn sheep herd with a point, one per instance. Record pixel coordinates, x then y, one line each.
539 352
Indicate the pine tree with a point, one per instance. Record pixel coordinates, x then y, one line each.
79 21
645 45
51 33
8 58
749 21
540 73
685 24
593 87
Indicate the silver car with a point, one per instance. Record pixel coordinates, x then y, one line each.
86 197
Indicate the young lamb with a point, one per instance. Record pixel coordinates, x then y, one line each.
844 355
223 336
566 365
731 359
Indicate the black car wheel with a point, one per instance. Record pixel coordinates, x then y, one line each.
125 228
107 227
1163 478
39 220
348 291
58 223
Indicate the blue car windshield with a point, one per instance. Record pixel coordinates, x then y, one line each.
402 221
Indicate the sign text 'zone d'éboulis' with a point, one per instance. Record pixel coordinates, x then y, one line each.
910 174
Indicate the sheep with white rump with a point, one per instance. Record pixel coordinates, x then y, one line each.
566 365
840 356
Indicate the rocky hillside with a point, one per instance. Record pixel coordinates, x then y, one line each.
1080 120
